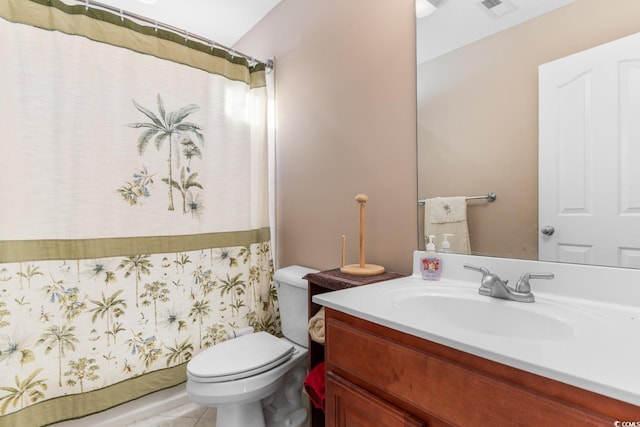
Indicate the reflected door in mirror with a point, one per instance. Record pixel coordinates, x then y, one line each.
589 146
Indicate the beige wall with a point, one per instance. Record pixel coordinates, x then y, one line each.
478 120
346 124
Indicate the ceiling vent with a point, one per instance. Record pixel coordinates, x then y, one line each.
491 3
497 8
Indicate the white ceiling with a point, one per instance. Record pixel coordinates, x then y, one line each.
454 24
457 23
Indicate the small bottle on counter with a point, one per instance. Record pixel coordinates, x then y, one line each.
445 246
431 263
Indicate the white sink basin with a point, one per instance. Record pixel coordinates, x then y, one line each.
464 308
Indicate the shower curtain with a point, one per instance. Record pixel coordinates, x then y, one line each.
134 227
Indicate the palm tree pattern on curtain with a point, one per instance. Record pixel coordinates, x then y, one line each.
172 128
84 325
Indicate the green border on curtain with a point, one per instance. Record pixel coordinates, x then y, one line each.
34 250
105 27
92 402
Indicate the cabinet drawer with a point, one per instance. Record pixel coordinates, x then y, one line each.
440 388
350 405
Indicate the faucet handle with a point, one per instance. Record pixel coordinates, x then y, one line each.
488 278
523 285
478 269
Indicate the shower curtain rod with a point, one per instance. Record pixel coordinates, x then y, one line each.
156 24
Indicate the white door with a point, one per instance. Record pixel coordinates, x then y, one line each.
589 156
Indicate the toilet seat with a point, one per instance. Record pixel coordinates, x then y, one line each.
238 358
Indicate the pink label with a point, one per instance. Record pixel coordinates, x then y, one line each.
430 264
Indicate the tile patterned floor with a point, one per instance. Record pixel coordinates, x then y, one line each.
189 415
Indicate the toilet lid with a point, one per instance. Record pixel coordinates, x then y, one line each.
240 358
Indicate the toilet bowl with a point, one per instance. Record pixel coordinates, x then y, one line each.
256 380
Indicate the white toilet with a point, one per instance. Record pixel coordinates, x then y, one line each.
256 380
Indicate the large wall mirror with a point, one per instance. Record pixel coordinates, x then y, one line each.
478 106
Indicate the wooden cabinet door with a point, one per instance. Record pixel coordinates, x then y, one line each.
348 405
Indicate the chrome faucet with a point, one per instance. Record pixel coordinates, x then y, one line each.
491 285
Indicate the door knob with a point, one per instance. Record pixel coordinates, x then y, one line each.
547 230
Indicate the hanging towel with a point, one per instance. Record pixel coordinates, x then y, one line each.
448 215
316 327
314 386
448 209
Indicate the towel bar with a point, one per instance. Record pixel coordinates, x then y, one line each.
489 196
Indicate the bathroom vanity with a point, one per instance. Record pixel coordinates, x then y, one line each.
394 358
328 281
379 376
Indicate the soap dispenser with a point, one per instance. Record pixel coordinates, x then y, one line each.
445 246
430 263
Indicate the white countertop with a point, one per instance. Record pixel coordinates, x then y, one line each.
599 350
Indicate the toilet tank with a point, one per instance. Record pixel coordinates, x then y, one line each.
293 301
